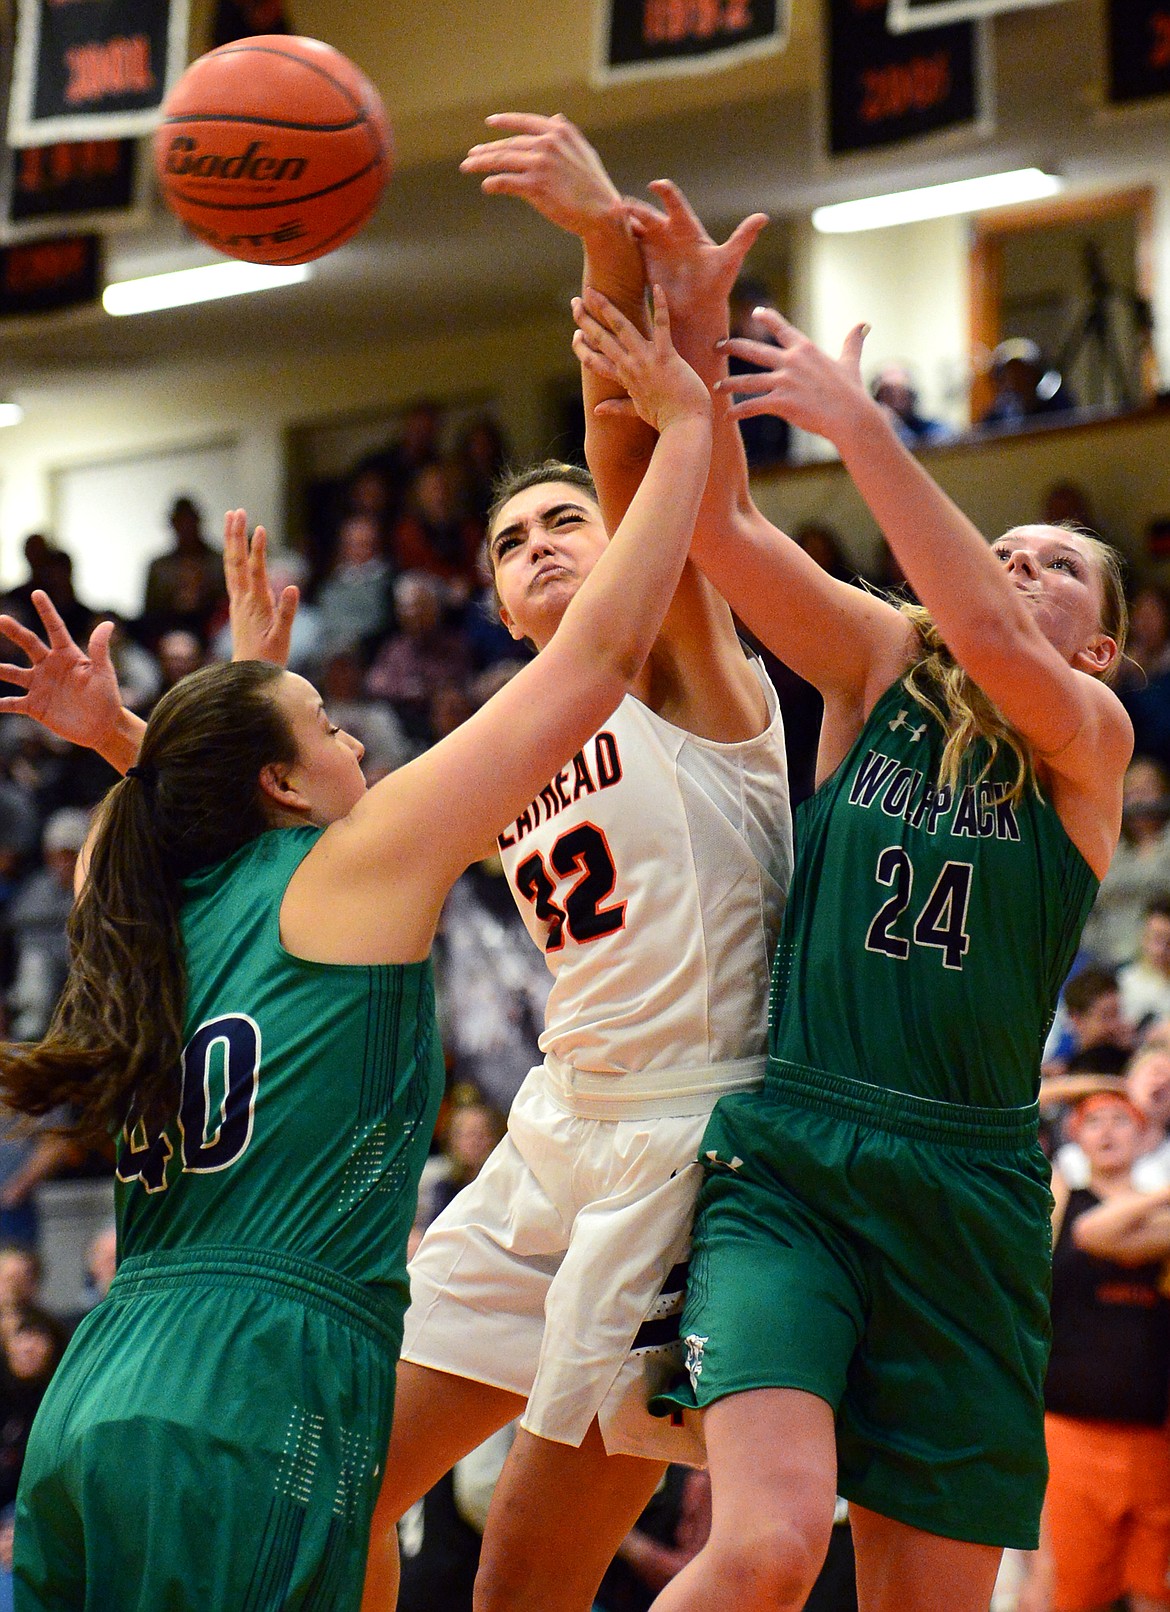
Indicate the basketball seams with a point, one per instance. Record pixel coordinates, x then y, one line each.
254 120
245 48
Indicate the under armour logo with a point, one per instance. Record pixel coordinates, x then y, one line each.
902 720
712 1157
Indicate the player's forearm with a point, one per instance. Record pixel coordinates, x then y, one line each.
945 558
617 448
611 625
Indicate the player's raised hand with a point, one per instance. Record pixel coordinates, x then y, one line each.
547 162
69 690
662 387
261 624
799 381
681 256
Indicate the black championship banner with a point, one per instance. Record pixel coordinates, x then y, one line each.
652 38
93 69
884 88
91 184
1139 50
46 276
908 14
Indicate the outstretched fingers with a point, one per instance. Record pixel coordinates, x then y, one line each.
235 546
98 648
523 122
676 206
743 237
851 352
55 629
258 559
17 633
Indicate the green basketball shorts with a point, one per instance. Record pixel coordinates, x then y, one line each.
213 1439
891 1255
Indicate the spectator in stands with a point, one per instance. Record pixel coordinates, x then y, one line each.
421 656
184 586
179 654
417 444
373 722
1098 1038
1106 1529
766 437
20 832
1025 387
1143 682
821 543
31 1353
1144 983
36 920
480 455
474 1129
18 600
354 601
32 1349
493 984
895 391
20 1282
101 1262
139 676
1147 1084
1140 869
435 535
1067 504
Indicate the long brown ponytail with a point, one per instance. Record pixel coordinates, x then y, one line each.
112 1049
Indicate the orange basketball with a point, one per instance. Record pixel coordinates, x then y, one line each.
273 149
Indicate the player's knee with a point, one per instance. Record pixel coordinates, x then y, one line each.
502 1582
771 1566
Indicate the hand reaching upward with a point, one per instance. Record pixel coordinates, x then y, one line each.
69 690
799 381
694 270
662 388
261 623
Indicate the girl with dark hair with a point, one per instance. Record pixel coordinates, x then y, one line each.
867 1305
250 1010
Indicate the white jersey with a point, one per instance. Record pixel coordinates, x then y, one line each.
652 872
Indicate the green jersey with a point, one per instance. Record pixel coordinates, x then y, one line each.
928 929
309 1090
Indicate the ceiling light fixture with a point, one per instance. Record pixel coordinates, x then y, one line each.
11 414
186 286
936 201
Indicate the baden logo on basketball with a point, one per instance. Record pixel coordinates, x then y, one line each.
274 148
185 158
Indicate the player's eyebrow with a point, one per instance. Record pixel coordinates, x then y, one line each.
516 528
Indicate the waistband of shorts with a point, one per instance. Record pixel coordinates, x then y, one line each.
376 1313
648 1093
920 1119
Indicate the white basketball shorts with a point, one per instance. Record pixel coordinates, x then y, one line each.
558 1274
